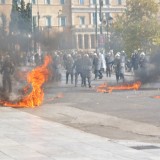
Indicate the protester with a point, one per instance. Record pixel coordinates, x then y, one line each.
69 68
77 66
6 71
86 70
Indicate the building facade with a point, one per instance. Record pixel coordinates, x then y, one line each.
77 20
86 23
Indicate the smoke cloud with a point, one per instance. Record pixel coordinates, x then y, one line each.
151 73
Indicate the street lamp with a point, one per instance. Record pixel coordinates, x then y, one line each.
108 21
58 27
96 30
58 18
38 16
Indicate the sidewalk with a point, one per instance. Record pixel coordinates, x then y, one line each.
27 137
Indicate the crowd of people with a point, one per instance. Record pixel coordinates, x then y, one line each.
82 65
79 65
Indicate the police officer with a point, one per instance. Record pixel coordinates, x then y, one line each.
6 71
78 68
69 68
142 60
108 59
119 67
97 66
86 70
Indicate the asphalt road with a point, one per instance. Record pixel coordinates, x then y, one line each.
128 115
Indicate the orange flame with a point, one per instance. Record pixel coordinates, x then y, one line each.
36 78
157 97
59 95
104 88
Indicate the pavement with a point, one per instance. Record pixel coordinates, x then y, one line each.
28 137
25 136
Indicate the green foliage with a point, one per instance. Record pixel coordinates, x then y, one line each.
138 26
13 26
3 34
21 18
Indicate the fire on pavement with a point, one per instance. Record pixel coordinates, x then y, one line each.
35 78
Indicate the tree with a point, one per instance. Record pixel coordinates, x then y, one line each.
13 26
3 34
138 26
20 25
21 18
29 17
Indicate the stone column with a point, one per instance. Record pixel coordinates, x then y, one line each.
83 41
89 42
77 44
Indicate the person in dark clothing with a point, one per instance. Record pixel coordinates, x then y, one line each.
69 68
6 71
97 66
135 60
119 68
78 68
108 59
86 70
142 61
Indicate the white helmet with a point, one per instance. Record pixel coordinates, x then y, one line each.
117 54
142 54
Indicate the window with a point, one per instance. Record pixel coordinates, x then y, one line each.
94 2
81 20
119 2
107 15
93 18
81 1
2 1
47 1
34 21
62 2
48 21
107 2
63 21
33 1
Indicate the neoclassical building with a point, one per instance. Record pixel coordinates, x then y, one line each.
79 20
75 18
86 14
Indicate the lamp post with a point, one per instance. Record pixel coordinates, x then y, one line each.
38 16
37 31
108 21
96 30
58 18
58 26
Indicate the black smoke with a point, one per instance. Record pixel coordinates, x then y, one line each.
151 72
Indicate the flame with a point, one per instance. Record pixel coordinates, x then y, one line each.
59 95
105 88
36 79
157 97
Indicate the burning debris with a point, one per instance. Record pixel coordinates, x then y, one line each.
156 97
104 88
36 78
59 95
